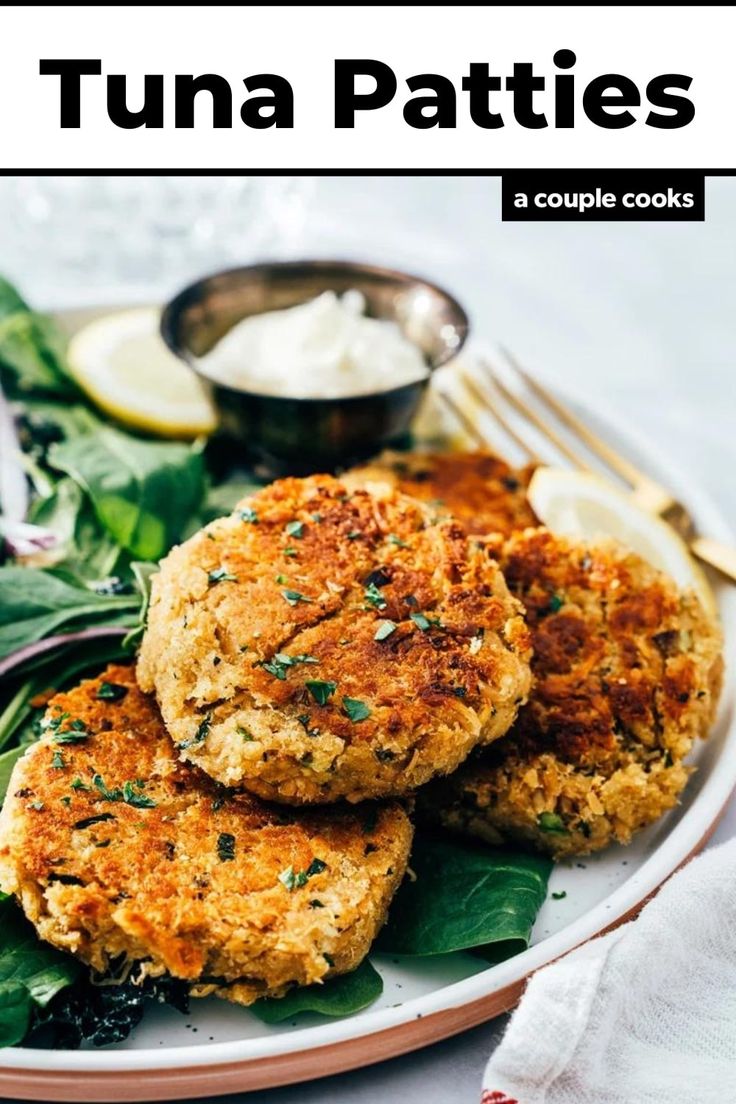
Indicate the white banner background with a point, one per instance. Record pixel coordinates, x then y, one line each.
301 44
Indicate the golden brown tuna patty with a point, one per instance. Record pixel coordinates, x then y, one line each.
477 488
320 644
627 675
114 847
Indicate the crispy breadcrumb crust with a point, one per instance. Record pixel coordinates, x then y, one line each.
114 847
292 590
627 672
479 489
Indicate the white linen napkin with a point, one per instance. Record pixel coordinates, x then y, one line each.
643 1015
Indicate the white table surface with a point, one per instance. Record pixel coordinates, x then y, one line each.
638 317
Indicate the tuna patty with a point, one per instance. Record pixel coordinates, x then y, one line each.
477 488
118 852
320 644
627 675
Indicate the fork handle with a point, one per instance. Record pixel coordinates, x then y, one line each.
720 556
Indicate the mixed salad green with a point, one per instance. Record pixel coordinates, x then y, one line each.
87 509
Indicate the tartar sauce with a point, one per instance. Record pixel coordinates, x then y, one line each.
326 348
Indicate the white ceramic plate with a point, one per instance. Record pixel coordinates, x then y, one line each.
221 1048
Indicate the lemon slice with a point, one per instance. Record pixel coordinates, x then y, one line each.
123 364
579 504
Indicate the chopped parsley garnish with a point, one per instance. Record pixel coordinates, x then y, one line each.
57 761
71 736
293 597
303 720
52 724
111 691
78 784
356 710
393 539
221 575
316 867
314 903
278 670
249 514
559 896
374 597
295 880
384 630
37 806
100 818
553 823
281 579
290 552
279 665
76 733
317 518
320 690
354 534
425 623
555 604
199 735
137 799
226 847
288 878
109 795
223 795
295 529
248 736
130 793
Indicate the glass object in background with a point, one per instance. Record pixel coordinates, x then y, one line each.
73 240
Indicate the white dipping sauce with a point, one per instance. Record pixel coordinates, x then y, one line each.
323 349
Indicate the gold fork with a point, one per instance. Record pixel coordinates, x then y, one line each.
645 491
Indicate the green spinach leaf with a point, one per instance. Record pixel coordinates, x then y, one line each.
31 349
143 492
340 996
84 547
33 603
31 974
8 759
11 300
466 897
45 421
143 574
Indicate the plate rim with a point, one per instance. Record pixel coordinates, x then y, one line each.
503 981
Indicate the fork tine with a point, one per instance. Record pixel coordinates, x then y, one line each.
531 415
468 425
486 404
608 455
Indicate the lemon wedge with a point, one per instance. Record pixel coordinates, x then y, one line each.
579 504
123 364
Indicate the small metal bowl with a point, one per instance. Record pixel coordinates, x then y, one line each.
300 435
